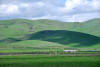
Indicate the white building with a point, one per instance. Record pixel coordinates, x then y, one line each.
70 50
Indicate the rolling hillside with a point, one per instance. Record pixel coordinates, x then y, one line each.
24 33
90 27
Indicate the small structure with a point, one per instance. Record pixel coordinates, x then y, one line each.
71 51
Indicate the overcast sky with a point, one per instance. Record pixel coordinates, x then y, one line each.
63 10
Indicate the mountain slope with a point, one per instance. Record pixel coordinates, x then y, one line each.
29 32
67 38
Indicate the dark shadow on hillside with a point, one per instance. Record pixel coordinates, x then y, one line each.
65 37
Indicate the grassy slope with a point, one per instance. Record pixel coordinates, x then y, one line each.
19 32
20 27
90 27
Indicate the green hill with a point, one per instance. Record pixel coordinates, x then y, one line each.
24 33
90 27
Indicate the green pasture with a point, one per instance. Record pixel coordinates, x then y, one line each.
48 61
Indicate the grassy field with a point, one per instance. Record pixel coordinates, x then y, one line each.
48 61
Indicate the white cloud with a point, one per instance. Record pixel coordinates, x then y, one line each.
85 16
70 10
83 5
83 10
8 9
